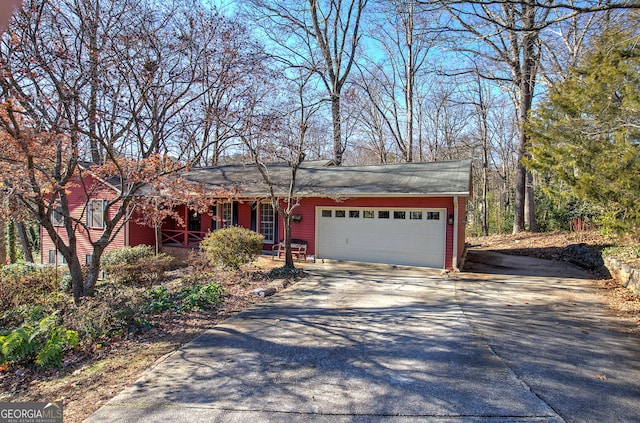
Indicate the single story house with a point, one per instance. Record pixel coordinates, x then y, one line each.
405 214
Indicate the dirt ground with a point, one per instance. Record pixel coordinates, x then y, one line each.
91 381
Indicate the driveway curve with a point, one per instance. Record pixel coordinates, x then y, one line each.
370 343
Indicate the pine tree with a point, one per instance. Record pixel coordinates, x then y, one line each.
586 135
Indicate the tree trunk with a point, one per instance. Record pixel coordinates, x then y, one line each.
288 260
337 129
3 242
77 279
529 207
94 17
11 241
24 241
519 200
526 81
485 190
410 71
89 285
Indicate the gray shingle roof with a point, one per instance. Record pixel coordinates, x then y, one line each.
318 179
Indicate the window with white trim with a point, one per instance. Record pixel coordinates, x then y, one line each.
227 215
268 222
57 218
95 213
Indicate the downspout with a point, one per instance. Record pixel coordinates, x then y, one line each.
126 235
454 259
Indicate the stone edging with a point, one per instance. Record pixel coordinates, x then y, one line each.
628 276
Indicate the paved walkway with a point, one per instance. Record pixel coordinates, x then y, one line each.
368 343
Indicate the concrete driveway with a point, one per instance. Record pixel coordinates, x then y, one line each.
369 343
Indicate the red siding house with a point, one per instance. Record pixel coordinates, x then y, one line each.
93 212
405 214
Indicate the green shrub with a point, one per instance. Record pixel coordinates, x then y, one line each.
232 247
160 300
135 265
126 255
41 341
196 297
26 283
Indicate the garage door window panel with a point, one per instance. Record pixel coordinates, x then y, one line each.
326 213
399 215
383 214
415 215
340 213
354 214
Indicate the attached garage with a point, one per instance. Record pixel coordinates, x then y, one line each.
406 236
406 214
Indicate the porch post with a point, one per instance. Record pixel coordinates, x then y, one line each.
186 226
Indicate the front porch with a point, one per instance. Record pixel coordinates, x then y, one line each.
192 227
182 238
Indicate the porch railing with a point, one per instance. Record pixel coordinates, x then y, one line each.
182 237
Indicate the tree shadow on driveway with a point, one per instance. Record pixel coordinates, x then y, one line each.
341 344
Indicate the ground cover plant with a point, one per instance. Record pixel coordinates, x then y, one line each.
54 350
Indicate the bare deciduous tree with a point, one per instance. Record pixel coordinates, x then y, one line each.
320 36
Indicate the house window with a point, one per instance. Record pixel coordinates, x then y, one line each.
95 213
227 215
415 215
368 214
52 256
267 222
399 215
57 218
340 213
326 213
383 214
433 215
355 214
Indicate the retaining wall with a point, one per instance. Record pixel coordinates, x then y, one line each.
628 276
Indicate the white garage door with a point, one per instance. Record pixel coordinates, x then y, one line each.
414 237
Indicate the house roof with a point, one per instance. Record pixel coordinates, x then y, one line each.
322 179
